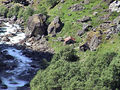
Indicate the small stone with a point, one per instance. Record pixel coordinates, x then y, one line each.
80 32
77 7
86 26
4 87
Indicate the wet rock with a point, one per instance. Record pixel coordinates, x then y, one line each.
0 81
9 57
3 87
36 25
5 39
55 26
77 7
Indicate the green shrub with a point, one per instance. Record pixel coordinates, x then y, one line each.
67 53
20 14
27 12
100 71
41 9
13 11
52 3
3 10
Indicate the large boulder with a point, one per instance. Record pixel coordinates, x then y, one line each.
55 26
36 25
94 39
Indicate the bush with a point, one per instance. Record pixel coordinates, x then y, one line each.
3 11
41 9
67 53
52 3
100 71
13 11
27 12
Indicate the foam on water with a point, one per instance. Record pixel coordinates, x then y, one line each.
23 65
13 83
23 62
12 29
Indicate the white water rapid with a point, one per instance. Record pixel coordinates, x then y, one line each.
12 81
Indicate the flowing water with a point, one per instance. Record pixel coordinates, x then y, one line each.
11 77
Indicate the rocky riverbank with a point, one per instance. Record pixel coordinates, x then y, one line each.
21 56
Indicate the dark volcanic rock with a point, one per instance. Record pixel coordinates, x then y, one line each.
36 25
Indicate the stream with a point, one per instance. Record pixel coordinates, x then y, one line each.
18 75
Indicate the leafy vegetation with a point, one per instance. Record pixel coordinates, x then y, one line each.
98 71
3 11
69 68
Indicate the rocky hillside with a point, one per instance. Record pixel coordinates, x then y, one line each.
83 35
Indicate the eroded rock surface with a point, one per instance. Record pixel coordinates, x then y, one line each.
36 25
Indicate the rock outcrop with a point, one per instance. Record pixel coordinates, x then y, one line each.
55 26
36 25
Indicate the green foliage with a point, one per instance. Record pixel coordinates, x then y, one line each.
52 3
20 14
13 11
28 12
99 71
41 9
68 54
3 10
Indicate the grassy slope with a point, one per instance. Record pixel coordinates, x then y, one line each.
70 29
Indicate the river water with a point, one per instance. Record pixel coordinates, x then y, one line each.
12 77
